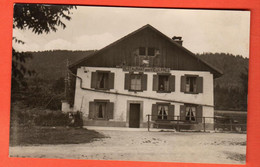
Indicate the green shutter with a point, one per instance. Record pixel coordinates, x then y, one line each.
144 82
94 78
199 114
200 84
171 112
111 78
92 112
155 82
127 81
172 83
183 84
110 110
182 112
154 112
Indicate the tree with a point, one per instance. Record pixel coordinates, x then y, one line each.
38 18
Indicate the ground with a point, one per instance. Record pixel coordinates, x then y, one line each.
141 145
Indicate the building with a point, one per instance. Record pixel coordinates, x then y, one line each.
144 73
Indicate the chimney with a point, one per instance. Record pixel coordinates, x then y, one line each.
177 40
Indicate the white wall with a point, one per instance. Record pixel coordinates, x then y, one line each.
82 97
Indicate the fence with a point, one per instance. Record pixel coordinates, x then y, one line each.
218 123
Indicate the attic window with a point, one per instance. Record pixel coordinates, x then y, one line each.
151 51
147 51
142 51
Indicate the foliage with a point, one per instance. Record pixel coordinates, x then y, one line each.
230 91
38 18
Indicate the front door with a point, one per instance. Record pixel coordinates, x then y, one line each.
134 116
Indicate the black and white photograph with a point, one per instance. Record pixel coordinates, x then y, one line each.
129 84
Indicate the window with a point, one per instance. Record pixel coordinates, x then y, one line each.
101 109
102 80
142 51
164 83
151 51
147 51
135 82
190 113
191 84
162 112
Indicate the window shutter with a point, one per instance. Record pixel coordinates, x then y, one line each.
199 114
110 110
183 83
172 83
111 78
200 84
127 81
182 112
144 82
171 112
91 114
155 82
154 112
94 78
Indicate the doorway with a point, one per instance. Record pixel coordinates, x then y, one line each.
134 115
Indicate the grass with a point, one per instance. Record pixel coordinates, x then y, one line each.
36 135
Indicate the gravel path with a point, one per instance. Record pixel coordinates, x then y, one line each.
222 148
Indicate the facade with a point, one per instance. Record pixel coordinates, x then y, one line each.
144 73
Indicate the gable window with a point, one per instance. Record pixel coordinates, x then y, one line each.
151 51
101 109
191 84
142 51
135 82
164 83
147 51
102 80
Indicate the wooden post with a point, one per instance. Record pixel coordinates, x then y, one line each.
231 128
178 127
148 122
204 124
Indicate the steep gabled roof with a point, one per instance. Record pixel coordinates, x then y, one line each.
217 72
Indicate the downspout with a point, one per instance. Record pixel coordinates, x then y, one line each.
129 95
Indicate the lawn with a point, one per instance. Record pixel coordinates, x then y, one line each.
36 135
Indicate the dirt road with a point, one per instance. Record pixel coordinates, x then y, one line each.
148 146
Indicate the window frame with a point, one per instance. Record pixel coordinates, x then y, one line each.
164 91
130 84
147 51
107 79
195 116
196 80
167 112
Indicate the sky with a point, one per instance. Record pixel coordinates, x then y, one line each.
92 28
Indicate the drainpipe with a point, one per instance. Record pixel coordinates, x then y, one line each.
137 96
